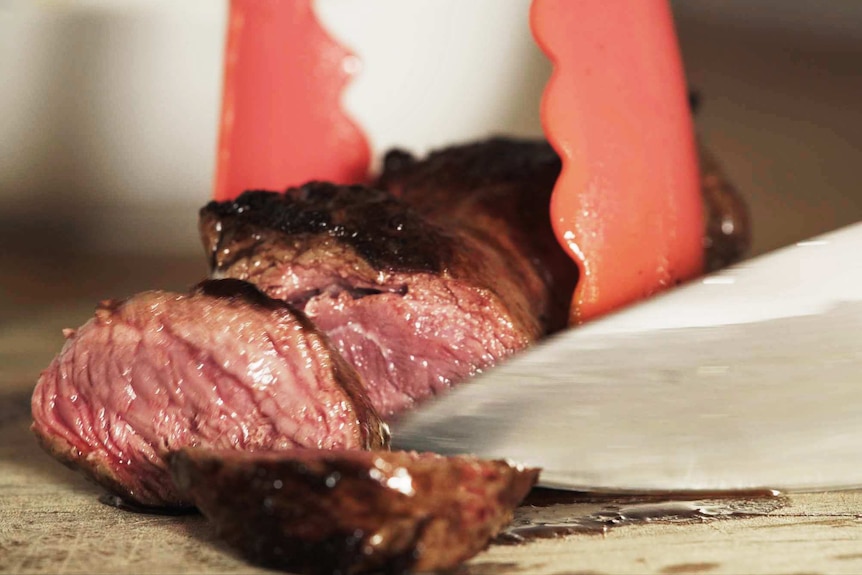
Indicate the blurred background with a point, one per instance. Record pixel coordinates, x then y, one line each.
109 111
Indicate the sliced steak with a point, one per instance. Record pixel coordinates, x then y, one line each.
503 184
352 511
224 367
452 272
498 192
414 305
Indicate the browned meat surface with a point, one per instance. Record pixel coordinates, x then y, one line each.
498 192
350 512
224 367
414 305
728 230
424 289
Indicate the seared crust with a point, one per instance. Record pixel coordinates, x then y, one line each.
351 512
372 222
498 191
501 188
458 300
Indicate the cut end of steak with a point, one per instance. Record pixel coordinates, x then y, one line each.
319 511
452 271
415 306
224 367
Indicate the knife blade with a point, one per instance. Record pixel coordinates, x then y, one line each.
750 378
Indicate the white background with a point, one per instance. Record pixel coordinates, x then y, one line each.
109 108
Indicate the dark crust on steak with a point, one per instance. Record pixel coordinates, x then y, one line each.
509 183
478 306
370 221
474 216
230 288
349 512
512 180
474 166
499 191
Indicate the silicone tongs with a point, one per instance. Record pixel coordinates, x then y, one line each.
627 205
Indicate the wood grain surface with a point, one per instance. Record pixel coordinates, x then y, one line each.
51 520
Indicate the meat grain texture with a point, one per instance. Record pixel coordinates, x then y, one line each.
446 267
417 295
223 367
344 512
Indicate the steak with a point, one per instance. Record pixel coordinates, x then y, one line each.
413 304
352 511
506 184
419 288
453 270
224 367
498 192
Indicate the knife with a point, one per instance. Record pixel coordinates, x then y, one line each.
750 378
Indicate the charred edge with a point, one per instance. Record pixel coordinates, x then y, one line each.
264 540
112 500
342 552
474 165
397 160
694 100
231 288
386 232
209 229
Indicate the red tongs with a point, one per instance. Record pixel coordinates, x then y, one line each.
627 206
281 122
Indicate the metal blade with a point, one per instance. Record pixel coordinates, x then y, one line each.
747 379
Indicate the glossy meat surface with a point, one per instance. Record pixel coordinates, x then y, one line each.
496 191
351 511
451 271
223 367
412 325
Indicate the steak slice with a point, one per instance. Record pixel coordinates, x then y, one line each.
352 511
425 290
414 305
224 367
498 192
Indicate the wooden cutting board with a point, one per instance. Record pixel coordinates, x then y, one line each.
51 520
